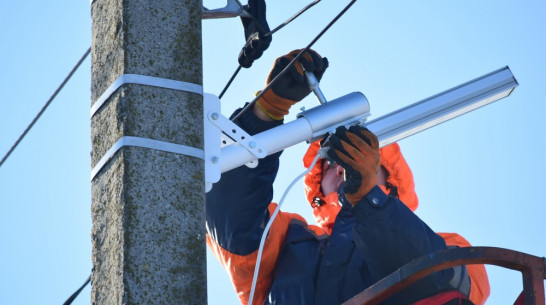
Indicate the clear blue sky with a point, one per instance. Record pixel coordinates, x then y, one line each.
481 175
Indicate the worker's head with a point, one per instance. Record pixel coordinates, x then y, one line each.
333 175
324 179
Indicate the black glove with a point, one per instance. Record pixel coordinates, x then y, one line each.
292 85
255 29
357 151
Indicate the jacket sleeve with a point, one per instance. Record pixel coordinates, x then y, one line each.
388 235
479 282
237 210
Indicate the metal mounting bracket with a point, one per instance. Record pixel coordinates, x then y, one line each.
237 134
233 8
219 132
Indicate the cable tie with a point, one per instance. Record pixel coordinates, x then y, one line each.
146 143
144 80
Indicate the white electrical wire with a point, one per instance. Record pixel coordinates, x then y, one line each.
271 219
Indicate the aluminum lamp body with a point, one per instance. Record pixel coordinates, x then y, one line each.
444 106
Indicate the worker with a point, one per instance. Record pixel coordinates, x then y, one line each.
364 231
394 178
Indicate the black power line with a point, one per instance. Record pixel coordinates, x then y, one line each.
45 106
310 5
77 292
249 105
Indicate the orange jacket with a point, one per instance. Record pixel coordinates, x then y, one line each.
400 183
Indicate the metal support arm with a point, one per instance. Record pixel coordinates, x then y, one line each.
310 125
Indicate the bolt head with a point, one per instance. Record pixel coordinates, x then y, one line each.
214 116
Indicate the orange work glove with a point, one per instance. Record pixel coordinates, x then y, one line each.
292 86
357 151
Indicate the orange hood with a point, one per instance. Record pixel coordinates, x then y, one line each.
325 208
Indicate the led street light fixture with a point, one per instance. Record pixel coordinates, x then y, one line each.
443 106
350 109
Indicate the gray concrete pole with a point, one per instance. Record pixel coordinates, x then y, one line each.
147 205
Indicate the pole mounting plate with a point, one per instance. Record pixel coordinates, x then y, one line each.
220 131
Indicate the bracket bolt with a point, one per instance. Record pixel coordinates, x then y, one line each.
214 116
252 144
214 159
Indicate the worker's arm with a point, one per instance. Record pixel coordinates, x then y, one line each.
238 206
387 233
236 215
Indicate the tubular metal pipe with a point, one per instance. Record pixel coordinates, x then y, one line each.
310 125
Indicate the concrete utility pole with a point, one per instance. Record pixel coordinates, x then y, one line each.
147 205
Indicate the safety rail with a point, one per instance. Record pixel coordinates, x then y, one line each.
533 269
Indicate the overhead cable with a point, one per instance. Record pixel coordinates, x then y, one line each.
230 81
265 35
77 292
249 105
67 78
310 5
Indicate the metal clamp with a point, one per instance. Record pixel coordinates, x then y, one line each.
144 80
233 8
145 143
